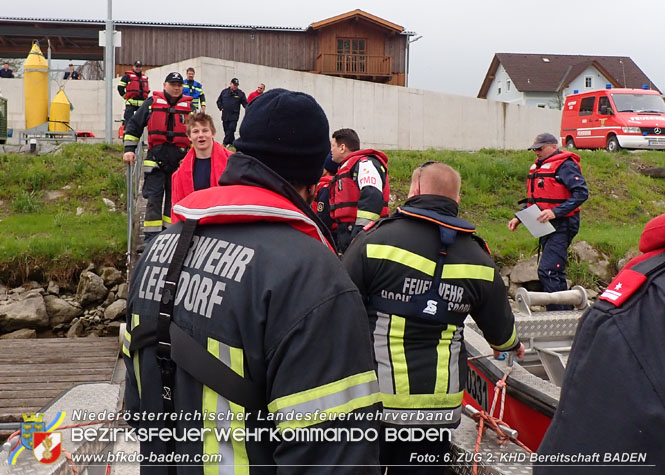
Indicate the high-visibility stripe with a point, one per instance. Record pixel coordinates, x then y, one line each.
443 359
427 266
398 355
240 458
342 396
233 453
134 102
455 349
155 223
382 354
122 83
509 343
211 406
422 401
166 219
131 138
401 256
137 370
367 215
126 343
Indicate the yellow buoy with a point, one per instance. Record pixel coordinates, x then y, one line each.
60 109
35 86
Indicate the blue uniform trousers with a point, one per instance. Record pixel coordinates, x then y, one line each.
554 254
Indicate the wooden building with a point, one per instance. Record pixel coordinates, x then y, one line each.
354 45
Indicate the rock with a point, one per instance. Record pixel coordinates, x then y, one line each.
110 298
123 291
111 276
525 271
35 285
116 310
591 294
53 195
60 311
91 289
109 204
28 312
79 211
53 288
76 329
506 280
18 290
22 334
113 328
599 264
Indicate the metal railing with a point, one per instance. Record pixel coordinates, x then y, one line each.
353 64
134 175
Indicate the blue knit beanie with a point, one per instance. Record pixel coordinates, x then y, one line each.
288 132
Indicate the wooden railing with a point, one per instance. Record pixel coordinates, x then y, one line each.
353 64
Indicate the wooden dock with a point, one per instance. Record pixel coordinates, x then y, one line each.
34 371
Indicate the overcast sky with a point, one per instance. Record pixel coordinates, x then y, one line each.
459 38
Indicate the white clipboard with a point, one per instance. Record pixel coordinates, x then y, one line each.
528 218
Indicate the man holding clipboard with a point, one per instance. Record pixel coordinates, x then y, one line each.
556 186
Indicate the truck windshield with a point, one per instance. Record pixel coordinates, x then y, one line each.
639 103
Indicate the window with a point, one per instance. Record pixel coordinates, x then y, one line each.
498 91
588 81
507 86
586 106
351 55
542 106
604 106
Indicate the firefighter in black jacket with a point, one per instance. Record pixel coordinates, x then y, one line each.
418 291
251 335
613 395
134 89
229 102
165 114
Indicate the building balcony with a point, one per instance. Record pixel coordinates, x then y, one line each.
358 66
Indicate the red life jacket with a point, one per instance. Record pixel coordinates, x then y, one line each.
137 87
344 191
245 204
323 184
168 124
541 186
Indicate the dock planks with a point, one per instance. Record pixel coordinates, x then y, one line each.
34 371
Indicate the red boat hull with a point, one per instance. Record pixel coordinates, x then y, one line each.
530 422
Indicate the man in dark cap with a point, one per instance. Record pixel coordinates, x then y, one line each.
229 315
6 72
71 73
556 185
134 89
165 114
229 102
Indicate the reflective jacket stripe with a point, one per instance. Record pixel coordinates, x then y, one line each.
137 369
126 342
382 354
234 453
398 355
422 401
342 396
427 266
509 343
443 352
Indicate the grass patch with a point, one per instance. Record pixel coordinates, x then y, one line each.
42 238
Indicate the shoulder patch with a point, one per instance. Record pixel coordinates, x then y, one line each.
623 286
368 175
369 226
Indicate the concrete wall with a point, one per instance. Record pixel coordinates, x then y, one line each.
385 117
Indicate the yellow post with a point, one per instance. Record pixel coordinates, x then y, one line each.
35 86
60 109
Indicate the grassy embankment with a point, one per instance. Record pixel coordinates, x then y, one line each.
41 239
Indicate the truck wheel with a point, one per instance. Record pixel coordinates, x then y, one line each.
613 144
570 143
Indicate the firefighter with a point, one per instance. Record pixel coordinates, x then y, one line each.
228 316
229 102
613 395
134 89
321 203
555 183
194 89
418 293
359 192
165 114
